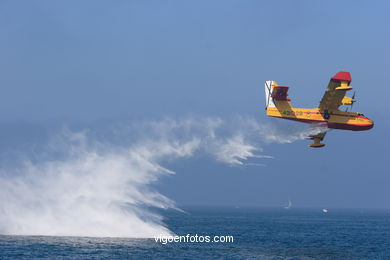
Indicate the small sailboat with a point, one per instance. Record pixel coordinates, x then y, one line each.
289 205
325 210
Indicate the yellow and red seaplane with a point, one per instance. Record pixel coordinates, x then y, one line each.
326 114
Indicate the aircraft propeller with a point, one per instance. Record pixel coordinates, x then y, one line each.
352 101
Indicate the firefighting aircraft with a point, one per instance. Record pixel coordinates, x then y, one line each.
326 114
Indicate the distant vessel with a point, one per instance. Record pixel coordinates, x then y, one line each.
289 205
325 210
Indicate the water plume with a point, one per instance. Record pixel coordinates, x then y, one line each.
99 185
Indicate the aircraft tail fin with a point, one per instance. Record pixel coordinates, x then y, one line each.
276 97
269 85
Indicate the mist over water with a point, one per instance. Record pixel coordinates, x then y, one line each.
86 183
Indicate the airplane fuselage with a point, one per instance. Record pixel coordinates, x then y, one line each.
333 119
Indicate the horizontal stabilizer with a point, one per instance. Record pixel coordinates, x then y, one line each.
280 93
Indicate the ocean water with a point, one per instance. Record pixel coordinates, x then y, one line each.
258 233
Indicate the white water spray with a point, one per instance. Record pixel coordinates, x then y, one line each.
102 188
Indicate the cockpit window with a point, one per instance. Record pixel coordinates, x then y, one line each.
360 114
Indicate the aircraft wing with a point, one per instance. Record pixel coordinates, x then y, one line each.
337 87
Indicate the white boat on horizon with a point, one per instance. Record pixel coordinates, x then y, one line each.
289 205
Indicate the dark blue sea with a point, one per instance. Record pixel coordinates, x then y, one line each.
258 234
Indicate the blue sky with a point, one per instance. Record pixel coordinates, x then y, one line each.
93 62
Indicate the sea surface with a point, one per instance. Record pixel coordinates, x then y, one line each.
258 233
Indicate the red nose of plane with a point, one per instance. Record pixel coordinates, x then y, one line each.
370 123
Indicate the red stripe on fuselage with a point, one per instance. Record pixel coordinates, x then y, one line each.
333 125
